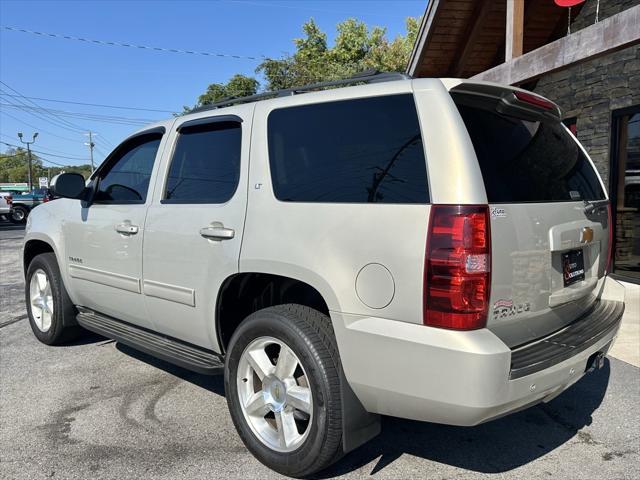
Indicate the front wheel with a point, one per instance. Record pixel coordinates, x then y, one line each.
50 310
283 389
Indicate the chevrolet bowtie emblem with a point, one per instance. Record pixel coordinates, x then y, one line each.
587 235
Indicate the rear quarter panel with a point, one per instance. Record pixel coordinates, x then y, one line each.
327 244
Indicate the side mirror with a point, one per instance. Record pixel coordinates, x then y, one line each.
68 185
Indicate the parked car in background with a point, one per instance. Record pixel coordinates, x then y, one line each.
5 203
432 249
24 203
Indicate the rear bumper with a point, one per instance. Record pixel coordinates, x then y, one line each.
578 336
464 378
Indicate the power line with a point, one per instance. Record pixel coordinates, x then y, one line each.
46 119
99 150
38 128
49 150
82 115
62 121
106 144
130 45
39 157
94 104
68 157
58 124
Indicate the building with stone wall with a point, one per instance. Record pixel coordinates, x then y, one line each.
591 72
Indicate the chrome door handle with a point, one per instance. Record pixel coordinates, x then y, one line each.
127 229
217 233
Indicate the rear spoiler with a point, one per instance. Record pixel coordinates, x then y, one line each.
507 100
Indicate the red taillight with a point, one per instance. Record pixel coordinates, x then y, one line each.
45 199
9 199
457 267
610 246
535 100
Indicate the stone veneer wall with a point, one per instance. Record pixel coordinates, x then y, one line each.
589 91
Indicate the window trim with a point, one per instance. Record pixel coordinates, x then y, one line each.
207 120
429 200
110 161
196 123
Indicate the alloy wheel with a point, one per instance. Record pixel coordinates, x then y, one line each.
274 394
41 300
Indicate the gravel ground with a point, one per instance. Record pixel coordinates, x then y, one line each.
98 409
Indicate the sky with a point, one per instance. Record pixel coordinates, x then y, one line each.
46 68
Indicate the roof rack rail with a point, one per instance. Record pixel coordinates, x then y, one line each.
366 76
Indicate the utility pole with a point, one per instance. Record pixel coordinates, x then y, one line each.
91 145
28 144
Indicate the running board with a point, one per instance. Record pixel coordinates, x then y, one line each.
173 351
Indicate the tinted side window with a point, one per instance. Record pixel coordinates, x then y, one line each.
353 151
206 164
127 180
528 161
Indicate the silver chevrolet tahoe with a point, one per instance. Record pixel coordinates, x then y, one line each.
432 249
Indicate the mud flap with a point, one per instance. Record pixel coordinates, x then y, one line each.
358 425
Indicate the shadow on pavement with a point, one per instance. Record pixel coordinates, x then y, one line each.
494 447
6 226
87 337
213 383
497 446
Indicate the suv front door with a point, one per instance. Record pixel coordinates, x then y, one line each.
194 226
104 236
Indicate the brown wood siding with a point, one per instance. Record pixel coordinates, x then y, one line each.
467 36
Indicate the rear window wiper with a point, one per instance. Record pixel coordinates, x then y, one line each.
592 205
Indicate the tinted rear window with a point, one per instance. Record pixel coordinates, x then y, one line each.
353 151
528 161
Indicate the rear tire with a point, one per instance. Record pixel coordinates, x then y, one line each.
50 310
287 412
18 214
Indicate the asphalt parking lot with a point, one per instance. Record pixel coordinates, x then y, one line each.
98 409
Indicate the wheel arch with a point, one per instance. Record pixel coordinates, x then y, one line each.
34 247
244 293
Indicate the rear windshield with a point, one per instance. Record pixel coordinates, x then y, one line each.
366 150
527 160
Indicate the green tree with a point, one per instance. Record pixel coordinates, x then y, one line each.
238 86
356 48
14 167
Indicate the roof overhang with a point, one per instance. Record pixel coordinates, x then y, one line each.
461 38
614 33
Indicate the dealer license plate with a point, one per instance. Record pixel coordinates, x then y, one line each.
572 267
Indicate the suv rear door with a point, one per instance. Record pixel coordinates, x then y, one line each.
194 226
549 221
